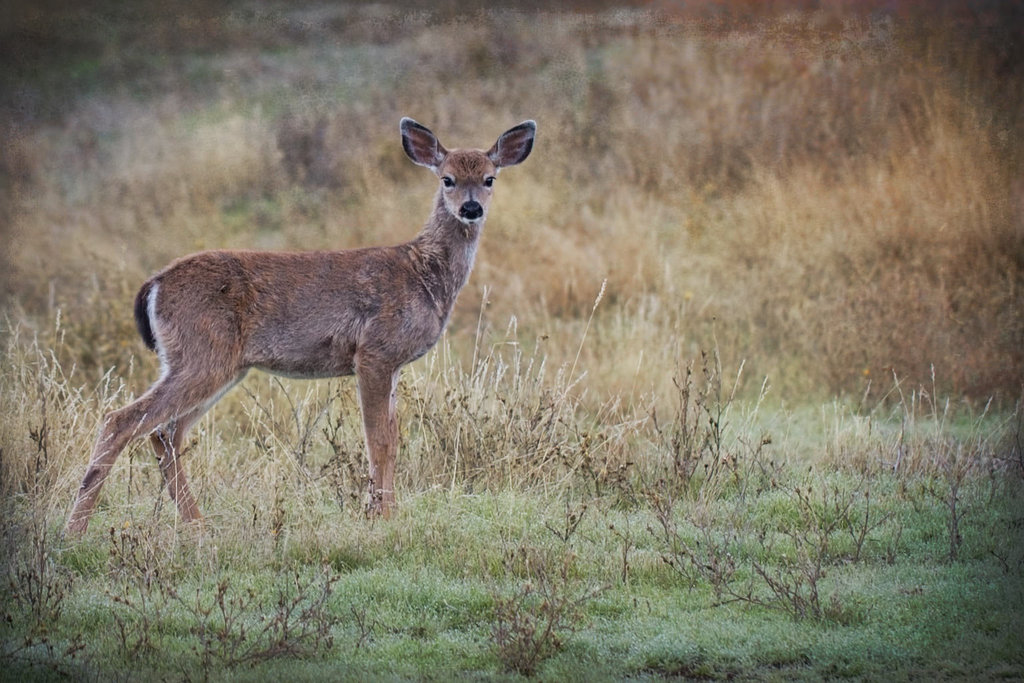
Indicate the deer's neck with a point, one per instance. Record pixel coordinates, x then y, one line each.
444 251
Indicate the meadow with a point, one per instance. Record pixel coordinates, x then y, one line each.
734 390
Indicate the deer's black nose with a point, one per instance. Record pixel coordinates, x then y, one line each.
471 210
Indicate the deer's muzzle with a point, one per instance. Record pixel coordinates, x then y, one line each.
471 210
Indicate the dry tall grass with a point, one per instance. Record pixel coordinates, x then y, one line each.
832 195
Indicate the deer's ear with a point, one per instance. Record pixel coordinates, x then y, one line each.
421 145
514 145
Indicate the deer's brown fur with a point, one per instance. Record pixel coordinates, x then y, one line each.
214 315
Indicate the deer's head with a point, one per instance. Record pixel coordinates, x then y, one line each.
467 175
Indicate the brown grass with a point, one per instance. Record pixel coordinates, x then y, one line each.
830 195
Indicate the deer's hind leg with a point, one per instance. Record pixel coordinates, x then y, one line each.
119 428
167 442
170 398
167 445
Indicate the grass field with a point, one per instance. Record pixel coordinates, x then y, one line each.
734 390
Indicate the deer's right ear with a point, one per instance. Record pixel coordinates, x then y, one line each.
421 145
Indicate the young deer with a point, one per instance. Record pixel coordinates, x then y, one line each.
214 315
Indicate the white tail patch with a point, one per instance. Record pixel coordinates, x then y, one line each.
154 325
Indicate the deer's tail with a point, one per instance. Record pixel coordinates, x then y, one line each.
142 314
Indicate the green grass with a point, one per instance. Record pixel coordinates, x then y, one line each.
555 546
421 604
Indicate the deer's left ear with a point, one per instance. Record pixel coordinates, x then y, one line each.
514 145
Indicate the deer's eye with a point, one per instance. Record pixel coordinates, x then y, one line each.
488 181
448 181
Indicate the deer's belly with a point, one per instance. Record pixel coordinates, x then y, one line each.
328 357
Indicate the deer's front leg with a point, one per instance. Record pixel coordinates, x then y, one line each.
377 398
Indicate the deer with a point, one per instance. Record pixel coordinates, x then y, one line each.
214 315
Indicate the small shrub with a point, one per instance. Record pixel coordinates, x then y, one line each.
296 624
531 624
36 584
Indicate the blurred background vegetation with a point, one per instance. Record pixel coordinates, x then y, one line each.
830 192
